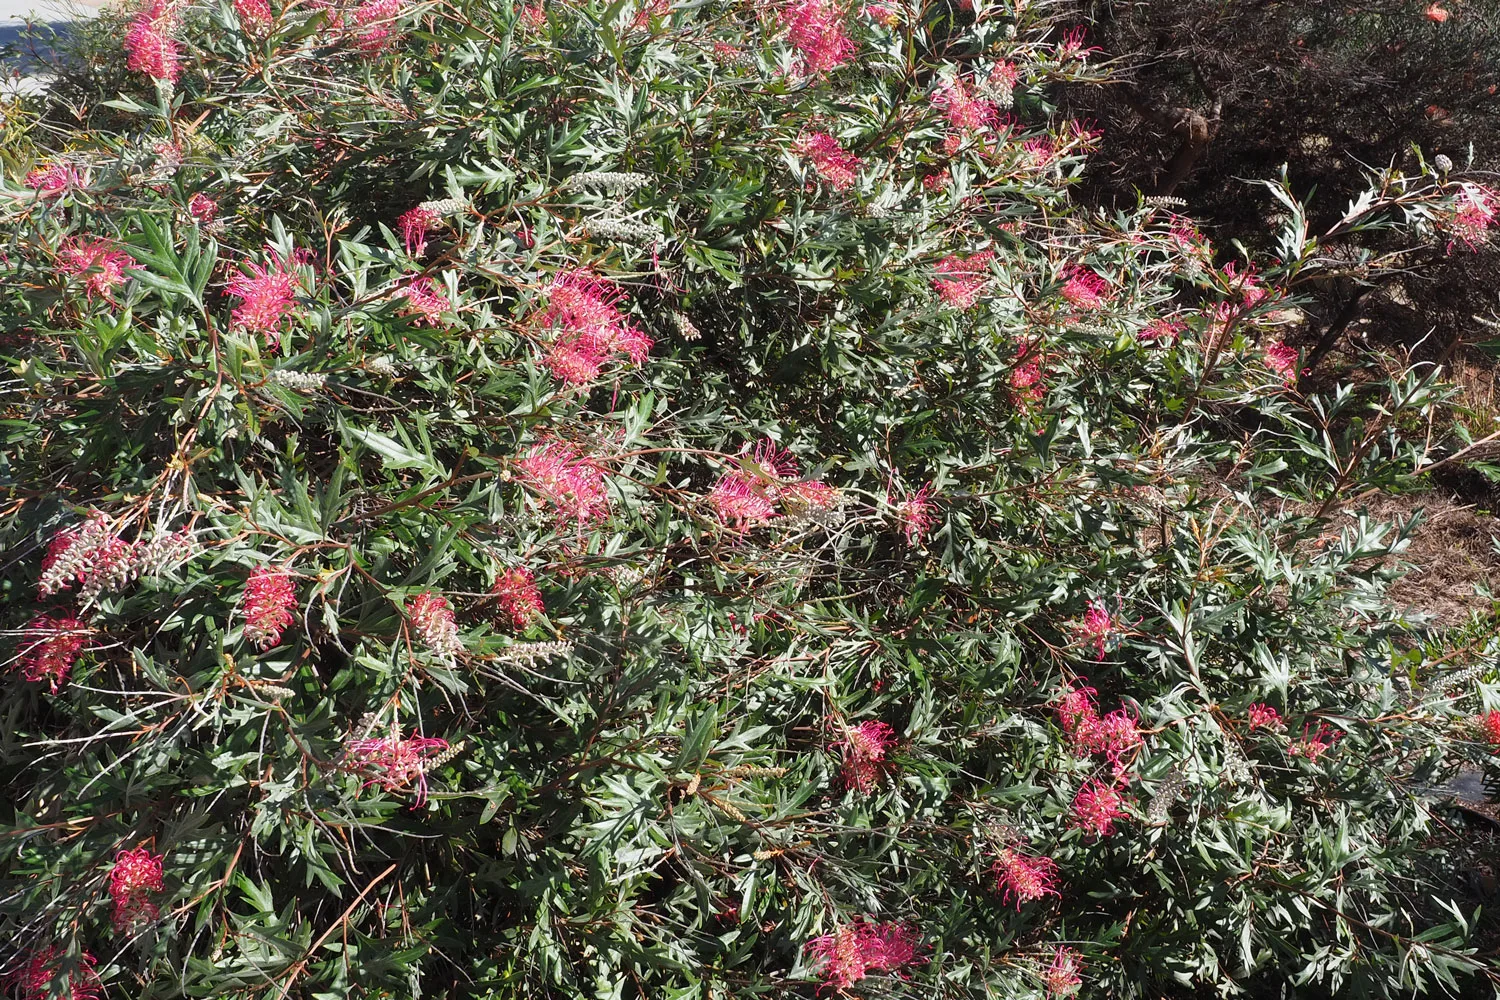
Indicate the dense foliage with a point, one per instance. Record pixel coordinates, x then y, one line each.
674 501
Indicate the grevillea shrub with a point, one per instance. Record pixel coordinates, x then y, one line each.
673 501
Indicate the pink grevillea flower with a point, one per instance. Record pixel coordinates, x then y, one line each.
863 749
1489 724
101 264
1314 744
150 44
1005 74
1113 736
860 947
964 111
54 179
268 605
1096 807
1075 708
1247 286
34 979
425 301
83 554
1263 716
1472 216
1436 13
1084 288
432 619
203 209
741 501
378 13
966 278
1100 628
882 14
49 647
1281 358
806 495
1028 385
395 764
584 310
255 16
838 167
135 873
1061 976
517 593
937 181
266 295
916 513
1162 331
414 225
1024 878
815 29
1072 47
571 484
1040 151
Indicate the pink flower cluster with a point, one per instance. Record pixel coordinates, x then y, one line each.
425 301
1281 358
1263 716
1489 723
1314 743
373 18
1096 807
396 764
1472 216
33 980
864 755
966 278
570 483
268 605
149 43
584 310
135 874
858 948
432 619
255 16
1162 331
1113 736
815 29
99 262
54 179
50 646
1247 287
1061 976
1100 628
1028 385
518 596
203 209
266 295
916 513
85 554
1084 288
414 225
964 111
767 475
838 167
1024 878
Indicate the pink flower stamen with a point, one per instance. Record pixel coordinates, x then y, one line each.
1096 807
518 596
864 755
1024 878
49 648
268 605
